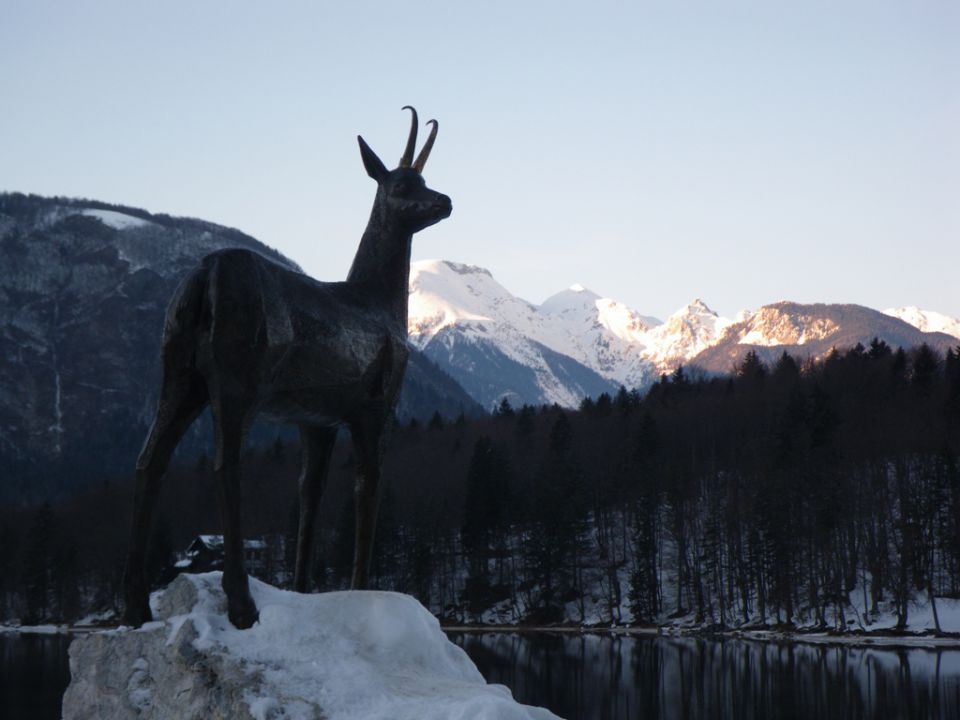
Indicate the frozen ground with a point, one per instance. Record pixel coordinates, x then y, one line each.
36 629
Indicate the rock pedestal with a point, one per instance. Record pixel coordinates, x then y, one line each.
156 672
332 655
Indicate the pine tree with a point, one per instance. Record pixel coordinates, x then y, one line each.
603 405
526 421
878 349
751 368
679 377
557 507
484 505
786 370
37 564
926 366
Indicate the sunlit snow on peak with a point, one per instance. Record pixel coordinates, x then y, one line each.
602 333
926 320
686 333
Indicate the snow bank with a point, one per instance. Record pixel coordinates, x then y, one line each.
340 655
116 220
36 629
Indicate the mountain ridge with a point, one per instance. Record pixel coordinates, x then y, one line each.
83 297
454 303
86 285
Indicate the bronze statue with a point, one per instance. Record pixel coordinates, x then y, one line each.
250 336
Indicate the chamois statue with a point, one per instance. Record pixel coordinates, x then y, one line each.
252 337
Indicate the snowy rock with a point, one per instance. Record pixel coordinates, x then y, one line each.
497 345
334 655
926 320
456 308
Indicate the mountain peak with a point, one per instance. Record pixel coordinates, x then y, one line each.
574 297
697 306
445 293
441 266
926 320
460 306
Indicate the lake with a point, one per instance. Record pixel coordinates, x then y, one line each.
623 676
33 675
641 676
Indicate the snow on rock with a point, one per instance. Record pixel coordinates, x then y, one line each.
602 333
926 320
116 220
610 338
599 333
452 301
690 330
346 655
446 293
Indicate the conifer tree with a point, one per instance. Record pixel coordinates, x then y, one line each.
37 565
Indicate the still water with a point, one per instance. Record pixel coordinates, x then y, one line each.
602 676
33 675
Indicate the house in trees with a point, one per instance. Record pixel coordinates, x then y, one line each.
205 553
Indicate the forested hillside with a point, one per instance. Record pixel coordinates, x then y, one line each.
83 294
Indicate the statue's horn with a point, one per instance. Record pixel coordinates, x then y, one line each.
425 152
411 141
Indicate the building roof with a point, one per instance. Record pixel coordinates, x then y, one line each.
215 542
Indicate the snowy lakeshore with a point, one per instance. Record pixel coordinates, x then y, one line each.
339 655
813 637
881 631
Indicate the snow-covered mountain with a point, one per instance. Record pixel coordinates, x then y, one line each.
810 331
456 309
494 344
579 343
685 334
926 320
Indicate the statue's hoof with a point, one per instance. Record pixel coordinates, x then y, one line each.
136 604
137 614
242 613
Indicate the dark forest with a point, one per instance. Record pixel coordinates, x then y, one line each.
772 496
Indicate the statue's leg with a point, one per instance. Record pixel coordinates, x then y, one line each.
230 421
181 400
368 436
317 447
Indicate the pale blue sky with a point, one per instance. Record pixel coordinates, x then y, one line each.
742 152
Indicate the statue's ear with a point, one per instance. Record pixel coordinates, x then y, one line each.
371 162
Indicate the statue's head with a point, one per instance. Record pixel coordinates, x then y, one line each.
402 193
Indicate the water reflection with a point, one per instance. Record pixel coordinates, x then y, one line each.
601 676
33 675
